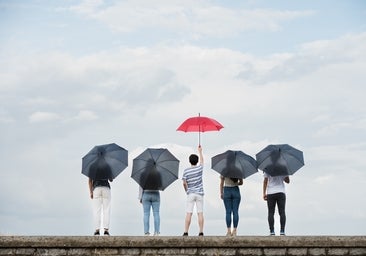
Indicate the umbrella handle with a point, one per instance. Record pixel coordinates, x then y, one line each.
199 132
199 138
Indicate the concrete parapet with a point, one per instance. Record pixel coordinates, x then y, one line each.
208 245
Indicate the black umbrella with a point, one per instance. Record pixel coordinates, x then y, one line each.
104 162
282 159
234 164
155 169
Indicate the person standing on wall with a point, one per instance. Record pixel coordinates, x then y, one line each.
100 193
274 193
230 194
193 186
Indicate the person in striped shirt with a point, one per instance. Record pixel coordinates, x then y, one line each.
193 185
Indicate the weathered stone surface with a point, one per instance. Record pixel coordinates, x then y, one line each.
338 251
251 251
179 246
357 251
317 251
7 251
48 252
275 251
297 251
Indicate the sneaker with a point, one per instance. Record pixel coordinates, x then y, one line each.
200 234
147 234
282 233
106 232
96 233
185 234
233 233
272 233
156 234
228 233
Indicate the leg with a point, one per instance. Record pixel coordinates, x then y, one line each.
97 207
271 203
281 203
189 211
236 203
187 222
228 203
200 221
106 207
156 212
199 205
146 205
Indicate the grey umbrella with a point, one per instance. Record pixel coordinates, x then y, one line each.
234 164
155 169
104 162
281 159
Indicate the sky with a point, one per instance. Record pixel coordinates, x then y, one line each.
75 74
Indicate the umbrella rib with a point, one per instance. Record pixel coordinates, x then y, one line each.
112 157
293 155
169 171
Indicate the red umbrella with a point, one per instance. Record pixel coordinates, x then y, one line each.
200 124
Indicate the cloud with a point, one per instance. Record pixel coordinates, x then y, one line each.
309 58
5 117
191 19
86 115
40 116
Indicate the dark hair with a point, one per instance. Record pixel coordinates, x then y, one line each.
193 159
234 179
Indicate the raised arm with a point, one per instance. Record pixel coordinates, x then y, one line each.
200 154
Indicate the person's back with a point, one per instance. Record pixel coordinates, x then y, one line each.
193 177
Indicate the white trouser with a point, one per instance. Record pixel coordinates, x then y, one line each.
102 206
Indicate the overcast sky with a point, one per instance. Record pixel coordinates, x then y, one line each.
75 74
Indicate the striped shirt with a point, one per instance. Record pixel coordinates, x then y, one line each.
193 177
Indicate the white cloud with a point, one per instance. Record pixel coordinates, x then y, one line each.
5 117
193 19
309 58
86 115
40 116
333 129
39 101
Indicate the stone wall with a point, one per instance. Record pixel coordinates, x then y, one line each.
179 246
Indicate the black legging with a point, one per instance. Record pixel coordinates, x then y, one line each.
280 200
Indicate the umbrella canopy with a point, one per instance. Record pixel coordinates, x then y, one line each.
200 124
234 164
104 162
155 169
281 159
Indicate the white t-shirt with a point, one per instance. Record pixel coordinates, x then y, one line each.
229 182
275 184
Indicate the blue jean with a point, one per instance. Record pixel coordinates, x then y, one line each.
151 200
232 200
